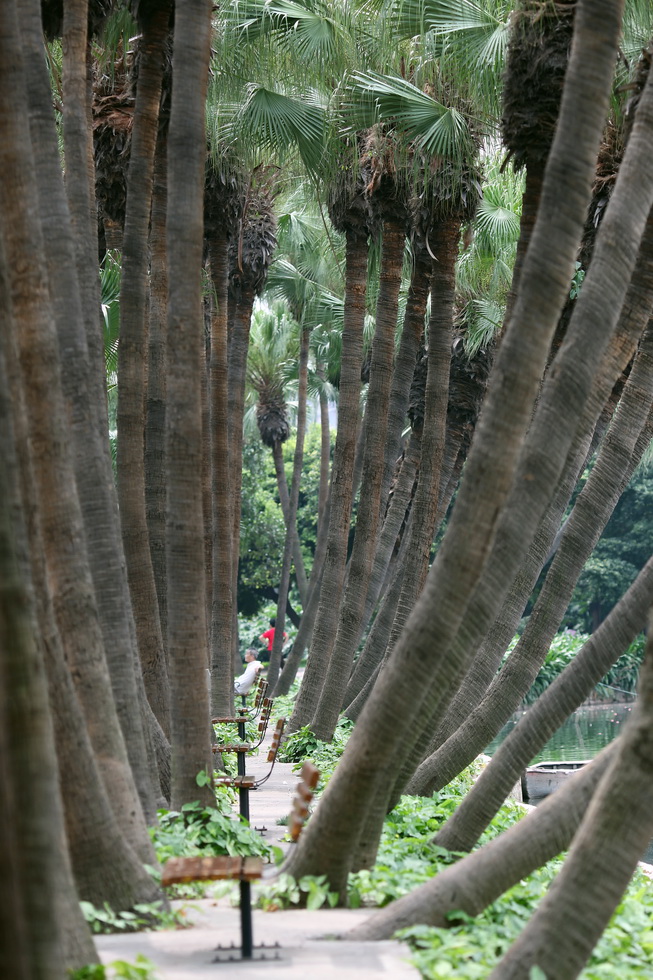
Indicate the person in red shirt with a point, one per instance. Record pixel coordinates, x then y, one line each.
268 637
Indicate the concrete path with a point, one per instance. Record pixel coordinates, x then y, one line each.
308 947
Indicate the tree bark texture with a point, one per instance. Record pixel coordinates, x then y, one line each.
132 365
187 631
223 591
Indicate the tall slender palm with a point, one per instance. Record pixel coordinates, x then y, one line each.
273 348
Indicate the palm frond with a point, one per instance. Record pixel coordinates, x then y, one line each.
436 129
496 222
483 322
277 122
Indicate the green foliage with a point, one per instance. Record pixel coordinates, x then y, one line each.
303 744
470 948
285 892
577 281
624 548
199 829
150 915
407 857
142 969
623 675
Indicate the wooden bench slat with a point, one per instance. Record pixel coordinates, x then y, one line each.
224 867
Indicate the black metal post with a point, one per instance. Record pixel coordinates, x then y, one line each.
243 793
246 919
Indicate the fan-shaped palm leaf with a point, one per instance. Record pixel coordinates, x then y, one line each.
278 121
308 26
436 129
468 38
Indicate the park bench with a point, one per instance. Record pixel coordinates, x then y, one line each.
244 870
242 782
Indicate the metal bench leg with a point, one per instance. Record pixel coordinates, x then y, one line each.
246 919
243 793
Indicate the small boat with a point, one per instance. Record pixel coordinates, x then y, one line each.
544 778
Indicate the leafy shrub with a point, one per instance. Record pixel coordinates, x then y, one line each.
199 829
152 915
309 892
303 745
142 969
471 947
564 647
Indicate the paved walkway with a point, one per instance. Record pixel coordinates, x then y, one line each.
308 946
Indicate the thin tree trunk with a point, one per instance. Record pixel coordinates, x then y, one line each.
284 498
368 515
333 576
291 526
240 315
155 404
132 362
400 508
223 594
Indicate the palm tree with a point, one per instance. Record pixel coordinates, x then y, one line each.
273 348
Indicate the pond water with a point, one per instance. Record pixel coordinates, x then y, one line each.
582 736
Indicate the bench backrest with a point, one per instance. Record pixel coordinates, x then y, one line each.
309 777
276 740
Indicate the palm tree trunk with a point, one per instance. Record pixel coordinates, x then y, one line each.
155 405
570 402
87 409
284 498
132 361
411 337
444 239
305 630
105 866
478 879
333 575
329 841
34 865
620 454
61 517
291 525
223 594
368 516
240 315
602 859
398 513
187 636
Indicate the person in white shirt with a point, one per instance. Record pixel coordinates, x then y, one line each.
244 683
